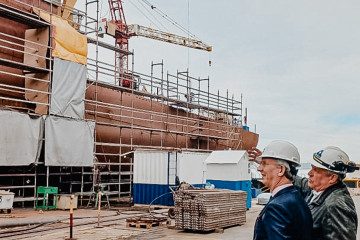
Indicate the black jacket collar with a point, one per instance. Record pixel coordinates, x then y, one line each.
327 192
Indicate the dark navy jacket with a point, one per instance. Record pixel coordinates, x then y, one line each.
286 216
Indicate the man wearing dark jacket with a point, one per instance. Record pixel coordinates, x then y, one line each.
286 216
331 205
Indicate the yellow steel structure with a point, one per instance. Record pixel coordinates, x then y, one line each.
137 30
352 182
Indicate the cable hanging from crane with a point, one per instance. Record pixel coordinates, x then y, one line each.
140 1
146 16
195 42
107 13
172 21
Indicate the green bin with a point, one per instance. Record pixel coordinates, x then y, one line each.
46 193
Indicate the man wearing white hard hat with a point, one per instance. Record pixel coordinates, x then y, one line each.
286 216
332 208
331 205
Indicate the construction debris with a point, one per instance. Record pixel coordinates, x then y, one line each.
205 210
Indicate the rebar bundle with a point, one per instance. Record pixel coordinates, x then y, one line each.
205 210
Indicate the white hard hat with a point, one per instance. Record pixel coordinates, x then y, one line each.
333 159
282 150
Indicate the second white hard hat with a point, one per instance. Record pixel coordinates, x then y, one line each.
329 157
282 150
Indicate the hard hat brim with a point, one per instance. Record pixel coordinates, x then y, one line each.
319 165
284 159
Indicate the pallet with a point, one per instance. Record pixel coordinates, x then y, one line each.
147 222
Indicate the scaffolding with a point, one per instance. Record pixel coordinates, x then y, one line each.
170 112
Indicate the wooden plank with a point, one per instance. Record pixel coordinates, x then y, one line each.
69 5
146 222
35 55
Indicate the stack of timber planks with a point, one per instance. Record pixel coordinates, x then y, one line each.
206 210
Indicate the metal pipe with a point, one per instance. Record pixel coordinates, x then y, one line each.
22 76
71 216
25 101
99 207
21 88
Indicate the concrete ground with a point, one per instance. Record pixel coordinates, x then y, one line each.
54 224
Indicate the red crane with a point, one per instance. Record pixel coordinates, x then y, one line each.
123 32
122 42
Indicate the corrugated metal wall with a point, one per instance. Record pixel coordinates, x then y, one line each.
155 194
150 167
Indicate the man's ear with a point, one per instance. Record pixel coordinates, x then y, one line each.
282 171
333 178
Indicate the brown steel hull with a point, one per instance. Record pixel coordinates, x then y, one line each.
131 119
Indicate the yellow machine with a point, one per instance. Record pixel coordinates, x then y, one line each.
352 182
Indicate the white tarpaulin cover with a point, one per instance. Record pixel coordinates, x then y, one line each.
69 142
68 89
20 138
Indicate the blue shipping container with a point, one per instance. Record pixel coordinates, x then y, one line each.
234 185
255 192
147 193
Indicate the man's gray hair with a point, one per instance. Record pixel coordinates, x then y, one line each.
341 176
288 166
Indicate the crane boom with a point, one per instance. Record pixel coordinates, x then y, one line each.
137 30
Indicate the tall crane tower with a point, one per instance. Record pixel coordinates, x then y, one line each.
123 32
121 41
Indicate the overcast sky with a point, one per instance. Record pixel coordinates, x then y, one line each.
297 63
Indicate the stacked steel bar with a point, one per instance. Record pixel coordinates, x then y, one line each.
206 210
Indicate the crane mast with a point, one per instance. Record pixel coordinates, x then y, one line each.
122 41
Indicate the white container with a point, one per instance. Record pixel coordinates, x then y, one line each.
6 200
191 167
64 201
228 165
